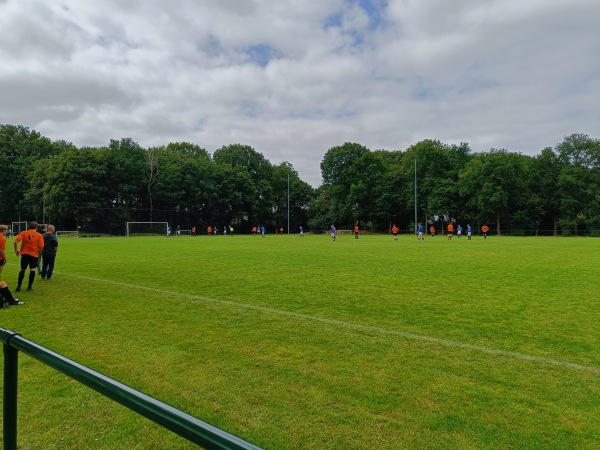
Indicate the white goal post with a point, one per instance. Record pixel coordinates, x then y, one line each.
66 233
147 228
185 232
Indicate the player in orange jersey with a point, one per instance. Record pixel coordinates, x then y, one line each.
395 230
484 230
450 231
3 229
32 244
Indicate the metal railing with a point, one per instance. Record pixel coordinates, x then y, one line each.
185 425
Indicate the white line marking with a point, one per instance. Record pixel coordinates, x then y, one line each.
354 326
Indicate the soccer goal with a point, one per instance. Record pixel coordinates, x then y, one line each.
17 227
185 232
67 233
147 228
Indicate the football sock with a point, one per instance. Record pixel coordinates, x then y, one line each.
31 278
7 294
21 276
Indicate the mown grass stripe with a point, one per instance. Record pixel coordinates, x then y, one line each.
354 326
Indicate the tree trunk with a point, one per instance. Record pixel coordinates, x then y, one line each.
498 224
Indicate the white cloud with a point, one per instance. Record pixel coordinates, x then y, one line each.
294 79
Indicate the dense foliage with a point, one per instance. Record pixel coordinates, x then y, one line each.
100 188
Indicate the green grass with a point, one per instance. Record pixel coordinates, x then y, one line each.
308 343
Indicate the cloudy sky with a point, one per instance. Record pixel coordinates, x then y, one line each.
295 78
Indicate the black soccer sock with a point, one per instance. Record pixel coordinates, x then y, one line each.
21 276
7 294
31 278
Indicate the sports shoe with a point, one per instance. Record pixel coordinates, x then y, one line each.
50 279
18 289
30 288
16 302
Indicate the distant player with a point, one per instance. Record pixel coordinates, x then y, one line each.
469 232
301 232
254 231
194 231
209 230
484 230
432 230
168 230
459 231
395 230
355 231
262 231
450 231
332 232
421 236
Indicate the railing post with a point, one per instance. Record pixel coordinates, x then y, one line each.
11 373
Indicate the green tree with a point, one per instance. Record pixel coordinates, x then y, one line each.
494 184
337 179
20 149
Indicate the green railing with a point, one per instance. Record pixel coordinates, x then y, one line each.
189 427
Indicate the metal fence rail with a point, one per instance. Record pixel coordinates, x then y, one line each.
185 425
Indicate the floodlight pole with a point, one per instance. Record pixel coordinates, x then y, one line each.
288 201
416 195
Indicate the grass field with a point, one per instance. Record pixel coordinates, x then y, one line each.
296 343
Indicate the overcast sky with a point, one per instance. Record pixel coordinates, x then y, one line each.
294 78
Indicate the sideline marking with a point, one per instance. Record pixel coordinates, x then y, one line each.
419 337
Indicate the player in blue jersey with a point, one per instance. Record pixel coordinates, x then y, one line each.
420 233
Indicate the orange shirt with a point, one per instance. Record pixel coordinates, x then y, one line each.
209 229
432 230
254 229
356 229
395 230
485 228
450 228
32 243
2 245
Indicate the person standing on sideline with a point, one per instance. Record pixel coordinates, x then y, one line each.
32 244
420 235
469 232
432 230
3 229
485 229
459 231
332 232
450 231
49 253
301 231
355 231
395 230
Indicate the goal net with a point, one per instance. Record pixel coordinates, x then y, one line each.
185 232
66 233
147 228
17 227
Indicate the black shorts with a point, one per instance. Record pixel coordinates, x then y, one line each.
28 260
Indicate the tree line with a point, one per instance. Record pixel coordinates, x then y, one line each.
100 188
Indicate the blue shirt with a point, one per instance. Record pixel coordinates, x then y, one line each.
420 229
